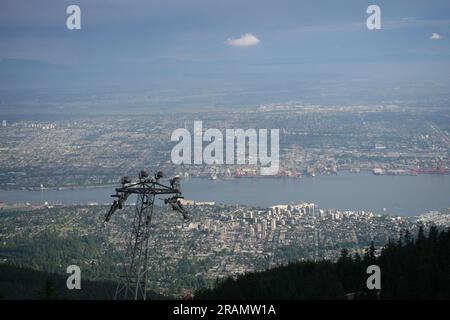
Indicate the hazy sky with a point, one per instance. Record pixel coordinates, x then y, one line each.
193 41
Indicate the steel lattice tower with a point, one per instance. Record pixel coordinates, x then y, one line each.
134 278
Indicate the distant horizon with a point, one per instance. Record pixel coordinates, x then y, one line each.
226 54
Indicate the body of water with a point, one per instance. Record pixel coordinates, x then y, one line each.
406 195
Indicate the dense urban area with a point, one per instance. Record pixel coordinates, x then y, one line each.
84 151
218 242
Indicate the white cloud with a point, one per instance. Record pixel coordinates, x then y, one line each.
245 40
436 36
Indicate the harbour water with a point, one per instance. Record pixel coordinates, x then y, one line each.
405 195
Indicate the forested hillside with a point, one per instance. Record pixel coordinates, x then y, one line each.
24 283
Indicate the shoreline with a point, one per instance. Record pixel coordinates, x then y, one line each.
225 178
364 191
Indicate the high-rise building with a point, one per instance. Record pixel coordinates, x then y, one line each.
252 232
264 225
4 123
259 228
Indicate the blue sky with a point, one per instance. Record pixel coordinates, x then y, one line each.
184 42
